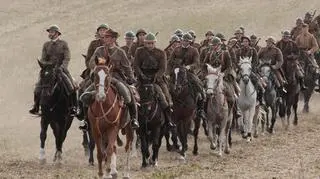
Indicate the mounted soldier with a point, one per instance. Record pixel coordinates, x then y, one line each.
56 51
218 57
297 29
194 43
307 44
254 42
178 33
247 51
237 35
272 54
121 72
188 56
173 43
150 66
101 30
290 54
140 35
129 38
207 41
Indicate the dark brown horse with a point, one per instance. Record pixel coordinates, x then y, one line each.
54 103
184 109
105 115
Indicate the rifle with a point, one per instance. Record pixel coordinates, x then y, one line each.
169 45
255 44
314 13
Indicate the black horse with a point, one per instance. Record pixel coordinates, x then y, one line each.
54 103
151 120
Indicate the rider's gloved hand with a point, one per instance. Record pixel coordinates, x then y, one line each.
131 81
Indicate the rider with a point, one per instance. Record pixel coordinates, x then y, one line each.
173 43
247 51
194 43
56 51
290 53
140 34
306 42
207 41
297 29
274 54
178 33
218 57
186 55
129 38
121 71
150 64
254 42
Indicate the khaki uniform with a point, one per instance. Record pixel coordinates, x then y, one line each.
128 52
290 54
92 47
152 64
121 68
295 32
275 55
135 46
306 42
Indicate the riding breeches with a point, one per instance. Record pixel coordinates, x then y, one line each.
298 70
256 81
161 95
164 89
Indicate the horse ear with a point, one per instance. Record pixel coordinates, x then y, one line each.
250 59
40 63
84 56
219 68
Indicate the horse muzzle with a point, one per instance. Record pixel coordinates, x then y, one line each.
246 79
101 97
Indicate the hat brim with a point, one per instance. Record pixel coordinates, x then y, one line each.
48 30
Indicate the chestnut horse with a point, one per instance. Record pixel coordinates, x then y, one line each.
105 115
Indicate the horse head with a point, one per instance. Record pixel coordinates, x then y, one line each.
265 70
48 78
245 69
102 78
180 79
214 79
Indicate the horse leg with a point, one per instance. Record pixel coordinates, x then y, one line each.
174 139
91 145
58 140
227 133
130 133
181 138
256 121
85 143
250 122
295 107
98 141
195 135
155 146
167 137
143 145
273 118
111 151
43 136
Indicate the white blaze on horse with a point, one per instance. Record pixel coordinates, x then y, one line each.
219 109
247 98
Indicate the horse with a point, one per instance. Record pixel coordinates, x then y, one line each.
87 136
151 120
247 98
310 76
291 99
106 115
54 103
220 106
184 109
270 95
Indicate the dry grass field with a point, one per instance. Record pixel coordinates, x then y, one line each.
286 154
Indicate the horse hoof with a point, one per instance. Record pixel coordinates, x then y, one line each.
105 176
125 177
295 123
249 139
255 135
169 148
269 130
195 153
114 175
227 151
91 163
213 147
